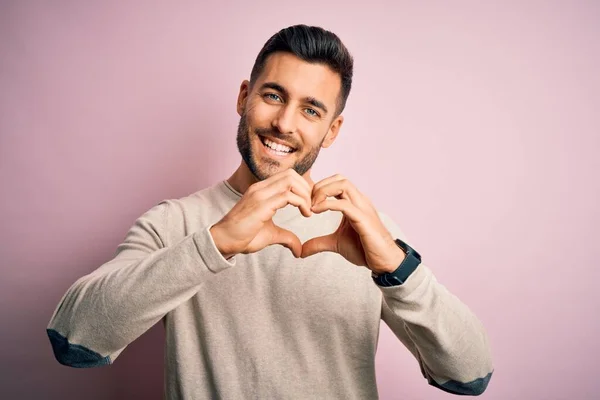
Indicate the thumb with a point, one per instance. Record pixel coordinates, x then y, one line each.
288 239
319 244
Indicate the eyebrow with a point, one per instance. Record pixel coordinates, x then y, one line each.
310 100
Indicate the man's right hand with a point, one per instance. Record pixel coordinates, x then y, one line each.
248 227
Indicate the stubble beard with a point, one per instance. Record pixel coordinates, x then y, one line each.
263 167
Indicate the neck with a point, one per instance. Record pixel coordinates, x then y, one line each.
242 178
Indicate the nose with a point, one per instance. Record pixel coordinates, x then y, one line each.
285 120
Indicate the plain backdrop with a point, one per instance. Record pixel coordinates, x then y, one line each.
475 125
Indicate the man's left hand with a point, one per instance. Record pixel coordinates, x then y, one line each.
361 238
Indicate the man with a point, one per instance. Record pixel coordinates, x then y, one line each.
248 320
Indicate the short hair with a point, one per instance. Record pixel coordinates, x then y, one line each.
314 45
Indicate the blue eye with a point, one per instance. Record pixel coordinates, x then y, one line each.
273 96
312 112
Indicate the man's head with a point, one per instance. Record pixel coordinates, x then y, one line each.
297 91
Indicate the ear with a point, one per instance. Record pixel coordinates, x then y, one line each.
243 96
333 131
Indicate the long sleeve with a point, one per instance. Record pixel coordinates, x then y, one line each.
104 311
446 338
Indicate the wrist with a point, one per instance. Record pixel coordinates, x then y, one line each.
397 256
406 267
217 237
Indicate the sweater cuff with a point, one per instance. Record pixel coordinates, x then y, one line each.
414 280
211 256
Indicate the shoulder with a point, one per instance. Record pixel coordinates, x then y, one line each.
210 201
177 216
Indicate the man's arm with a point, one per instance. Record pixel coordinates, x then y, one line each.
446 338
104 311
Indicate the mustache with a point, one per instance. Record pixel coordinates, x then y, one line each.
276 135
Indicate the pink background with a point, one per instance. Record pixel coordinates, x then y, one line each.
475 125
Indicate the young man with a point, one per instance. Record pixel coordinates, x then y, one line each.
248 320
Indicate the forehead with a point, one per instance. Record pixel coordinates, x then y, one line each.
300 78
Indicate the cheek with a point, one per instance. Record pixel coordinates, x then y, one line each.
312 135
260 114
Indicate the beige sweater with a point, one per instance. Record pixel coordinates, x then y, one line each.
263 325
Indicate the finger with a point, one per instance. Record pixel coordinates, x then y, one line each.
305 193
284 183
345 206
317 186
274 182
296 184
329 191
294 176
301 180
288 239
340 189
318 245
288 180
282 199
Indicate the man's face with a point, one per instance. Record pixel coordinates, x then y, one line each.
292 103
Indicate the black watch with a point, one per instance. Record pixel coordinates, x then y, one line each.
401 274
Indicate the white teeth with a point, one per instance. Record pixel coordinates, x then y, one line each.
277 146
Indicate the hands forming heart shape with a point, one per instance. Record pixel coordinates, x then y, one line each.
361 237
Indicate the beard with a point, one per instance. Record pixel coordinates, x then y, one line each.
263 168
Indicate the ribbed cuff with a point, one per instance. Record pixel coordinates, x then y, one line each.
207 249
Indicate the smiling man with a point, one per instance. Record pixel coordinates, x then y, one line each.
289 111
269 285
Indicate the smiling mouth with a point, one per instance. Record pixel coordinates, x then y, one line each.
273 148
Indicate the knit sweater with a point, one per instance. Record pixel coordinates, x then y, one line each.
264 325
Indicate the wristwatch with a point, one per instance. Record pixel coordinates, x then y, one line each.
401 274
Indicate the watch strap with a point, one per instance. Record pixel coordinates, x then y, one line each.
405 269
